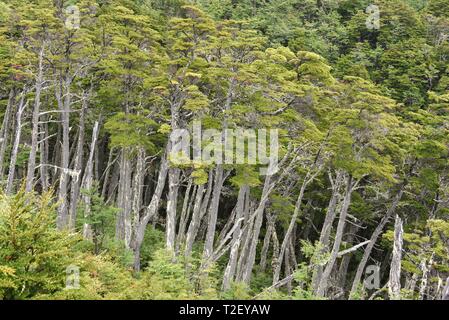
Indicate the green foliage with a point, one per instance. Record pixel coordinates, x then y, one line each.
34 255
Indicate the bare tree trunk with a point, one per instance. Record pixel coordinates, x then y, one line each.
139 178
323 284
150 212
394 283
230 270
64 101
257 225
425 268
123 227
35 123
43 146
266 241
197 215
75 185
15 148
172 203
373 239
328 222
184 215
4 130
213 213
87 182
106 174
288 233
344 264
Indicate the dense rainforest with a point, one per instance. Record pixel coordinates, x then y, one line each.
94 205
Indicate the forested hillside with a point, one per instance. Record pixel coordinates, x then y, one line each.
94 203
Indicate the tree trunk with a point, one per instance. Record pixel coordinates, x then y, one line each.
184 215
75 186
213 213
4 130
137 192
64 101
373 239
35 123
15 148
230 270
87 182
198 209
288 233
323 284
256 231
151 211
394 283
328 222
123 227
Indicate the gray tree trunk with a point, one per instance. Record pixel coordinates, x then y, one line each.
394 282
4 130
288 233
123 227
137 192
15 147
77 167
151 211
64 102
87 182
323 284
229 273
373 239
35 123
213 213
184 215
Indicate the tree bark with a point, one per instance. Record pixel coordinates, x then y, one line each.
323 284
150 212
229 273
394 282
35 122
87 182
373 239
15 148
4 130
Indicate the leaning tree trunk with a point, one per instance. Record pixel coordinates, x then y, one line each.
328 222
200 202
323 284
288 233
394 283
150 212
256 230
4 130
186 206
213 213
15 148
373 239
229 272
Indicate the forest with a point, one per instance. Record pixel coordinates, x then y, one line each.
98 200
